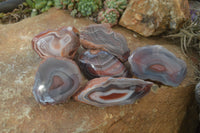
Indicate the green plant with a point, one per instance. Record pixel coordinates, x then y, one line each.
88 7
119 5
73 13
110 16
68 4
39 5
58 4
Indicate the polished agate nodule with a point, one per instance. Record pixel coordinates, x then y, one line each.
158 64
98 63
56 80
101 36
197 93
108 91
63 42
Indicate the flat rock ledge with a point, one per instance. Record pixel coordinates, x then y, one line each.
161 111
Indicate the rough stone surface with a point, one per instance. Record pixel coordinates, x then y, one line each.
163 110
152 17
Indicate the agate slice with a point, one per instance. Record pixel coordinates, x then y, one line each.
56 80
197 93
63 42
108 91
98 63
158 64
101 36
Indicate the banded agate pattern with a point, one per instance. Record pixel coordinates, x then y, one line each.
98 63
101 36
158 64
56 80
63 42
109 91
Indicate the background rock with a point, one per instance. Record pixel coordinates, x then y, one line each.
164 110
152 17
194 9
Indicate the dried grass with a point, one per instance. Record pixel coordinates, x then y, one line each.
189 36
23 11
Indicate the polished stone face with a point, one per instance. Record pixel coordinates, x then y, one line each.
197 93
98 63
56 80
63 42
158 64
101 36
108 91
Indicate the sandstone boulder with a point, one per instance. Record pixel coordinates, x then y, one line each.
152 17
161 111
